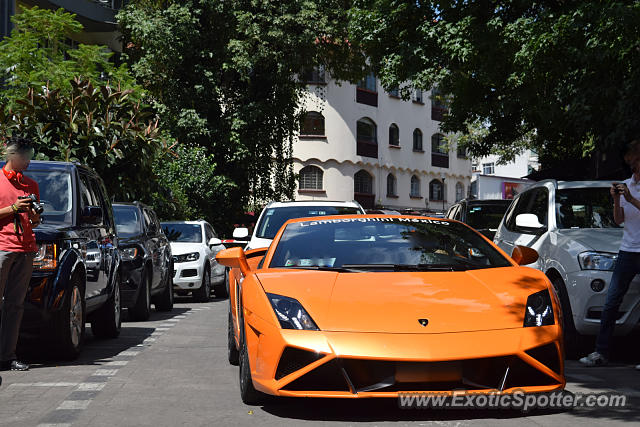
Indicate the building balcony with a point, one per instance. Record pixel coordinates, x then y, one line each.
367 149
440 160
95 15
367 97
438 113
367 201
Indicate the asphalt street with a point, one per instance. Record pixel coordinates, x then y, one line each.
172 370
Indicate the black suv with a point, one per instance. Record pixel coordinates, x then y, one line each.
483 215
147 264
77 267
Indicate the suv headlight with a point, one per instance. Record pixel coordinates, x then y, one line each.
597 261
46 258
291 314
193 256
539 311
129 254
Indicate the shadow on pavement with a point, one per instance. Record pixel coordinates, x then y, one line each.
97 351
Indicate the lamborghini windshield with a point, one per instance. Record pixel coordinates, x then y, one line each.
384 244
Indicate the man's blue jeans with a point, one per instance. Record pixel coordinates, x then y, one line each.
627 266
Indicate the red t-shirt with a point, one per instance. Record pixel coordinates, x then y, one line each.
9 192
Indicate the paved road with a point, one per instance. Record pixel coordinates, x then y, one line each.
172 371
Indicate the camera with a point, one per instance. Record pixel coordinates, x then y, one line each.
619 187
37 207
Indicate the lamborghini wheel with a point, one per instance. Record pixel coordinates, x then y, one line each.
248 393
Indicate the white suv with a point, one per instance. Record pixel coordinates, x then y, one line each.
194 245
277 213
571 226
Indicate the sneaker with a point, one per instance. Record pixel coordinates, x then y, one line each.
594 359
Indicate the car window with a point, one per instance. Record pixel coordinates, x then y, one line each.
535 202
155 221
86 195
148 223
182 233
210 231
101 199
128 220
273 218
56 195
483 216
390 243
584 208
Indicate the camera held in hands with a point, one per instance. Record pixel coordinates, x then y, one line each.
37 207
619 186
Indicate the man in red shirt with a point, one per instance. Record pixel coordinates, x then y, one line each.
17 245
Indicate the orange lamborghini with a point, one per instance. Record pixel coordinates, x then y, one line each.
377 305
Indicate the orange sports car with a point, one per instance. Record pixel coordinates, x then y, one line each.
378 305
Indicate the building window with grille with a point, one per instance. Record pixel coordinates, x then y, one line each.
363 182
459 191
488 168
311 178
439 151
312 124
436 192
394 135
415 187
417 140
438 106
391 186
394 92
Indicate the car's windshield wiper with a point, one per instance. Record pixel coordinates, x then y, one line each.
406 267
315 267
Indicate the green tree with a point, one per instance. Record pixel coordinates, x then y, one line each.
98 126
562 77
223 76
38 53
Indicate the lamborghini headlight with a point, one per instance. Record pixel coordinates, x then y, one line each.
597 260
291 314
539 311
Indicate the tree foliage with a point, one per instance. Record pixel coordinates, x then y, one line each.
99 126
559 76
223 75
39 53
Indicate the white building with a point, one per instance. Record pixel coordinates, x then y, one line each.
360 142
502 181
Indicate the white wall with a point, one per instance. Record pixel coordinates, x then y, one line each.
336 154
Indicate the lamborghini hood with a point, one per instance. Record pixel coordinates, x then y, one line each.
410 302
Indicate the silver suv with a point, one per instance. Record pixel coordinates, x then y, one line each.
571 226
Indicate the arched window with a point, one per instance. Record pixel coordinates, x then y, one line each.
459 191
311 178
394 135
439 151
417 140
435 190
415 186
312 124
391 185
367 138
363 182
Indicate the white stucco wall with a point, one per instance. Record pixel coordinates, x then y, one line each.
336 154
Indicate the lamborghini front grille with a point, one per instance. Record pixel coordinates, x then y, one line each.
294 359
359 375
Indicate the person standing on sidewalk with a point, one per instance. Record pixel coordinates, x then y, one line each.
17 245
626 209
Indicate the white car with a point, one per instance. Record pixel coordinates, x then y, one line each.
277 213
194 245
571 226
